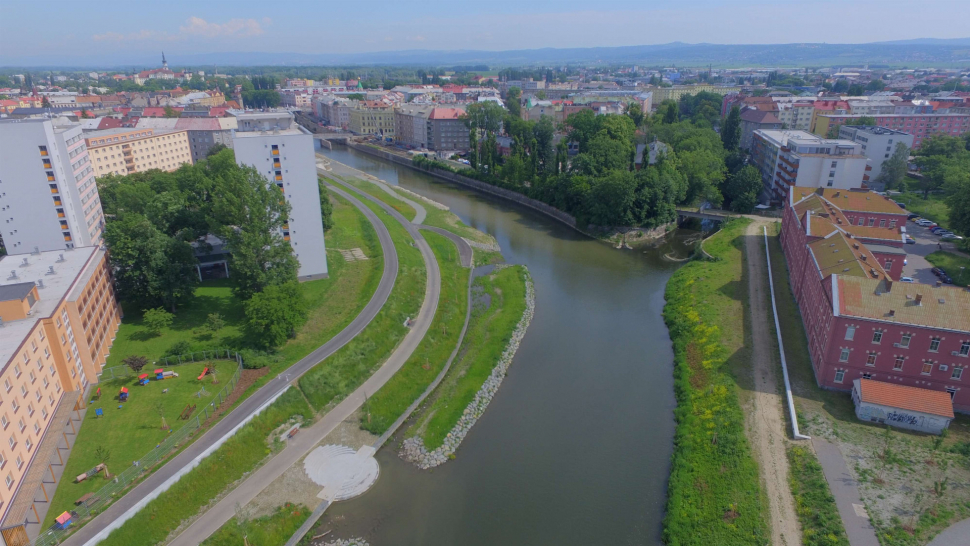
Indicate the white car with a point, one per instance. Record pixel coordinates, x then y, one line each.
923 222
906 279
951 237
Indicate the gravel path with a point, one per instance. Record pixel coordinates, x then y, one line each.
766 423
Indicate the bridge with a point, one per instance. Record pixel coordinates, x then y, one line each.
715 215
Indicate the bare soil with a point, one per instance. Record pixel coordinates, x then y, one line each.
765 422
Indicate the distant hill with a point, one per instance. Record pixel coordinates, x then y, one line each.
921 52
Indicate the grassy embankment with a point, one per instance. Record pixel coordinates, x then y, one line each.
272 530
714 494
373 190
492 322
957 267
335 377
131 432
893 473
387 404
934 208
814 503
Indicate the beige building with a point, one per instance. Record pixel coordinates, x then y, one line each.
59 318
125 151
372 118
675 92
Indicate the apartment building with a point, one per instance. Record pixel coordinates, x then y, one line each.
756 120
131 150
282 151
334 110
797 158
878 144
371 117
447 130
411 124
920 126
675 92
861 323
48 196
796 115
59 317
203 132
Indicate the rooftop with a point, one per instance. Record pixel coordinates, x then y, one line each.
945 307
905 397
851 200
837 254
56 286
873 130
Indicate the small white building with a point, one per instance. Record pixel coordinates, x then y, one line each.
878 144
902 406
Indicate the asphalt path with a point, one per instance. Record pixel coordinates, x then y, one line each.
310 437
464 249
126 507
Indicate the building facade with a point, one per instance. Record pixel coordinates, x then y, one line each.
59 317
920 126
447 130
411 124
372 118
282 151
860 322
756 120
878 144
48 196
796 158
124 151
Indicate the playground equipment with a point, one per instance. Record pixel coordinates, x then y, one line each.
143 379
64 520
93 472
187 412
205 372
123 395
159 374
98 412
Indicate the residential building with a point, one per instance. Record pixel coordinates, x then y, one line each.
756 120
675 92
796 115
878 144
447 130
131 150
797 158
59 318
920 126
411 124
860 322
48 196
372 118
203 132
283 152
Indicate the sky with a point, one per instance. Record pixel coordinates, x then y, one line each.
72 30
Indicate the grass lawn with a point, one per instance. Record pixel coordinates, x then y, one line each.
446 219
952 264
714 494
934 208
130 433
488 334
353 363
373 190
387 404
888 486
272 530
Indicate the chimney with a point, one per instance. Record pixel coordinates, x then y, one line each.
892 312
60 257
889 284
919 299
40 283
863 256
36 250
50 270
25 263
13 274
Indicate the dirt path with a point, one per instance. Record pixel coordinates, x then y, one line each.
766 421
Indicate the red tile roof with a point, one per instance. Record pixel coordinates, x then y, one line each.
905 397
446 113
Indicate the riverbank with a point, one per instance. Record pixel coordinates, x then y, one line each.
714 493
504 306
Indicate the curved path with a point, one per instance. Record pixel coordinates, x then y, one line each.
338 169
464 249
954 535
167 475
308 438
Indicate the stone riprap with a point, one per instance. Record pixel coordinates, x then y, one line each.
347 542
483 246
428 200
413 449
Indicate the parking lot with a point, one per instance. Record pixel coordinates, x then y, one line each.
917 266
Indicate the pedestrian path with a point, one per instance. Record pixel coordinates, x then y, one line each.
957 534
845 489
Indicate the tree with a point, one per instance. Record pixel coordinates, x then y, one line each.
103 455
136 363
731 130
261 98
875 85
44 103
274 315
160 410
867 121
840 86
669 112
171 112
742 189
214 322
513 102
326 206
541 95
856 90
635 112
216 148
894 169
157 319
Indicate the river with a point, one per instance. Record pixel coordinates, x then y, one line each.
575 447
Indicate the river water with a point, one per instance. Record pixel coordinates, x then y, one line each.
575 447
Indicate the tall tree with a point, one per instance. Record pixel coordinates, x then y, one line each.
731 130
275 314
742 189
894 169
513 103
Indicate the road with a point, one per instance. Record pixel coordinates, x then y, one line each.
926 243
127 506
308 438
855 519
767 424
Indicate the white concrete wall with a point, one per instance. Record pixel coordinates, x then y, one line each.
299 170
814 171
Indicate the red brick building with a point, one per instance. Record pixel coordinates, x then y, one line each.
860 321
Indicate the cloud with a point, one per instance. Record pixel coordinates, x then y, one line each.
197 26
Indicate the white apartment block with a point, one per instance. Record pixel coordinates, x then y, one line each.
797 158
48 197
282 151
878 144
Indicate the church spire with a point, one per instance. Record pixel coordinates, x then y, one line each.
164 62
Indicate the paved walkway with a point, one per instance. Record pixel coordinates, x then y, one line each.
846 492
338 168
310 437
150 487
64 446
957 534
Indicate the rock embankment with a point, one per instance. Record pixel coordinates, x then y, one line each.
347 542
483 246
413 449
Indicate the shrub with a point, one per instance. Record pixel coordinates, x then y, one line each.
179 348
274 315
135 362
157 320
253 360
214 322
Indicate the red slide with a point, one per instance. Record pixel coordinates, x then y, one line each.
204 371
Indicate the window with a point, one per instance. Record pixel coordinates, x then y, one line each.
935 344
882 223
904 341
9 481
957 373
871 359
867 375
36 429
4 421
862 221
12 442
839 376
6 385
28 444
898 365
21 425
20 462
850 333
927 367
964 349
844 357
3 460
872 222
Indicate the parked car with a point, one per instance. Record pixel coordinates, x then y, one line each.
951 237
937 229
923 222
901 205
910 241
937 271
913 216
906 279
946 279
